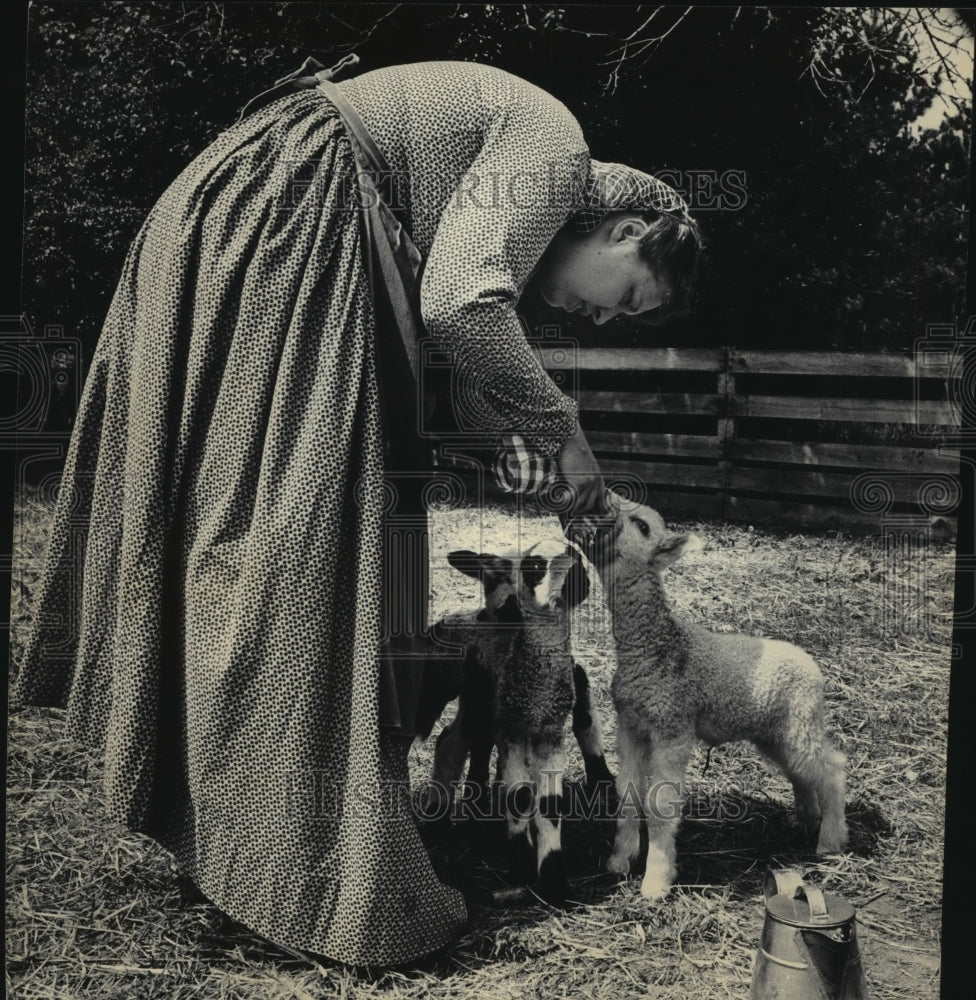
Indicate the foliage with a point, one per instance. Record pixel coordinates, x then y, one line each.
850 229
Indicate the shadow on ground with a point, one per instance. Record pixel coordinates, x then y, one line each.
723 840
721 844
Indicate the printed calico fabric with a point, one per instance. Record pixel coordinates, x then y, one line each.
211 608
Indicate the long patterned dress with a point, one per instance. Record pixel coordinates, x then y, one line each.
210 610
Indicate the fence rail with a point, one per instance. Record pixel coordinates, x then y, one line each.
808 439
838 474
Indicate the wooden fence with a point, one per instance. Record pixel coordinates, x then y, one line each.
813 440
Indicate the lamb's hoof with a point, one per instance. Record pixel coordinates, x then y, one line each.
655 892
657 882
832 844
619 864
832 835
552 881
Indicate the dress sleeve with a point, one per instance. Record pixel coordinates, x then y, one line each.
518 193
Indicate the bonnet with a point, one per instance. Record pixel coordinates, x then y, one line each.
615 187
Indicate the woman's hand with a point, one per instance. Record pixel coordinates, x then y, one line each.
578 471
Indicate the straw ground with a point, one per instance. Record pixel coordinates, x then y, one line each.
95 911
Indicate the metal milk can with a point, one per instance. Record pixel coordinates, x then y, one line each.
808 949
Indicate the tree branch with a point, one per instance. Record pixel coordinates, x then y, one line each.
951 73
641 46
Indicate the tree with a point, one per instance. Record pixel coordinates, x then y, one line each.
848 231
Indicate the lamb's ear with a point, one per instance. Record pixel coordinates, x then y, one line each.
576 586
468 562
673 547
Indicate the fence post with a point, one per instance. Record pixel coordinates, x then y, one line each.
726 423
906 582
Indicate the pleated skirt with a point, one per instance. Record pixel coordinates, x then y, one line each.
211 608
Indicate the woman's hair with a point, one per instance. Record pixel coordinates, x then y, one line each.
671 248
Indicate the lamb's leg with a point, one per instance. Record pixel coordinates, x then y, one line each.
479 734
450 753
547 769
816 772
662 810
800 769
477 791
520 805
632 779
833 825
587 730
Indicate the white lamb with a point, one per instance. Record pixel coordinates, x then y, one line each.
676 683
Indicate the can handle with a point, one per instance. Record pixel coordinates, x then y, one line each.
782 882
814 897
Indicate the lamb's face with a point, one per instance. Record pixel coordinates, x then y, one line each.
642 537
639 530
547 578
629 530
550 577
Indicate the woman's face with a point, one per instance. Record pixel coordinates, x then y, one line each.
601 274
